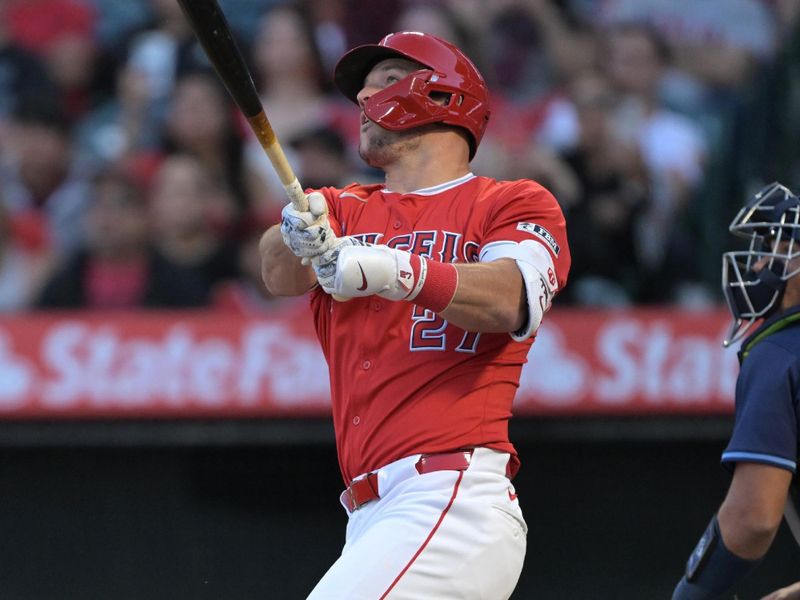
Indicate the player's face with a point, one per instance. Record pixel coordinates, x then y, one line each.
791 294
378 146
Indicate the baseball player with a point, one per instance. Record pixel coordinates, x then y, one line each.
759 283
447 276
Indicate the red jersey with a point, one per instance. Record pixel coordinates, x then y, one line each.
403 380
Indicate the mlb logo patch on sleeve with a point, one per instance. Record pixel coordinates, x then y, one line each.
542 233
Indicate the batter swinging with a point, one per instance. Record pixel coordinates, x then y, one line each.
449 275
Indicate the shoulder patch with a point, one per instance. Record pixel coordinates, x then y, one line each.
541 233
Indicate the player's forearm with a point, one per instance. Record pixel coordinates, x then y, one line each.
490 297
746 536
739 535
791 592
282 271
753 508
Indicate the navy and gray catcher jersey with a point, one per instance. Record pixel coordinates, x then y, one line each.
768 397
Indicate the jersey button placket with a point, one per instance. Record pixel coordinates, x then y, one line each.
366 364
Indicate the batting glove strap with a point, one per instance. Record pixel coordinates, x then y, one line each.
307 233
394 275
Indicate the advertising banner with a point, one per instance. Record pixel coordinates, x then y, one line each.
207 364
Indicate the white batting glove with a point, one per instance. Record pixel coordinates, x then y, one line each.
307 233
325 264
360 270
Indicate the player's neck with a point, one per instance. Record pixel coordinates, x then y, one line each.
431 164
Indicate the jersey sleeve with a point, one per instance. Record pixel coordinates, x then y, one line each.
526 224
765 428
526 214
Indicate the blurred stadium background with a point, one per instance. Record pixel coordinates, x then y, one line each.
163 433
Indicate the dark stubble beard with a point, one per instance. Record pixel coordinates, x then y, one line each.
385 147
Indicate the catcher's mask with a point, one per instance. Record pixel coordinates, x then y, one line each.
411 102
754 280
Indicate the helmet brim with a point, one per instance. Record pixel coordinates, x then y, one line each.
353 68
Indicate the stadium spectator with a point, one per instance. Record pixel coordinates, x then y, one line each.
24 261
22 74
39 172
288 72
200 122
672 148
291 82
127 123
441 20
62 34
329 19
602 216
116 20
322 159
247 295
117 267
166 100
524 90
37 24
510 121
716 44
165 49
365 21
191 216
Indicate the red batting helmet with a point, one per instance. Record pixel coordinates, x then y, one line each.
408 102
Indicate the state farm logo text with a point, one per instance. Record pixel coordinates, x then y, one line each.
81 364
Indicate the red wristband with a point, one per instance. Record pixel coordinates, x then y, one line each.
438 285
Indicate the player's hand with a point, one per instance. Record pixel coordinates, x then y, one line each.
360 270
325 265
307 233
788 593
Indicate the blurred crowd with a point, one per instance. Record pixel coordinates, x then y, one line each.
128 179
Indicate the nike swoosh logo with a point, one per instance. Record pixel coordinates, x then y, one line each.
511 496
363 279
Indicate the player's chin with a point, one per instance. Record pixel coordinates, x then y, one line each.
374 153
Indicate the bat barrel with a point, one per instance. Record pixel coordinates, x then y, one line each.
212 29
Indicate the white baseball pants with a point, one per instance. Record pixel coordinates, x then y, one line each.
446 535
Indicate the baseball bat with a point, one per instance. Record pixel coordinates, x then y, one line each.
211 27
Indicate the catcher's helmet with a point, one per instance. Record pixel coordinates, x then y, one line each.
771 217
408 102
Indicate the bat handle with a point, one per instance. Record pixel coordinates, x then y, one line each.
266 137
296 195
